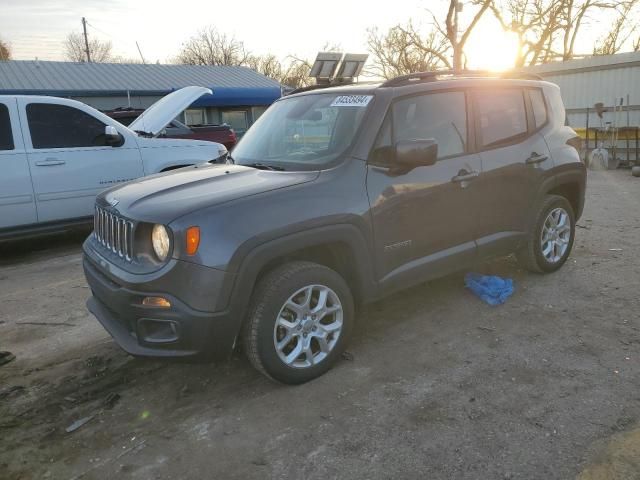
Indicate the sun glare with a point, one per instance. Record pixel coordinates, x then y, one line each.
491 48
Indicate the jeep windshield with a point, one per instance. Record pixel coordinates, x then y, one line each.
309 132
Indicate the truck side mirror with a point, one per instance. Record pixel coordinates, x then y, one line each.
416 153
112 137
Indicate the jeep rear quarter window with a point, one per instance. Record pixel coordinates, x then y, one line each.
6 136
501 116
538 107
61 126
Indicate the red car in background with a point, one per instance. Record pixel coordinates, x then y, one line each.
214 133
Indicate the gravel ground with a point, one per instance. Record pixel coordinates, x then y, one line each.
436 384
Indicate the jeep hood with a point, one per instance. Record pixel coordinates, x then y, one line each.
164 197
157 116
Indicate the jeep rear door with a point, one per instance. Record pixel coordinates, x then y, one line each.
514 160
424 219
69 160
17 203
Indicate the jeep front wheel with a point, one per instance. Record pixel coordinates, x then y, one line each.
300 319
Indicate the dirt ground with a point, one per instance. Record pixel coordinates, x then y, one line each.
437 385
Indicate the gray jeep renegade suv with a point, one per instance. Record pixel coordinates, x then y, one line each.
337 196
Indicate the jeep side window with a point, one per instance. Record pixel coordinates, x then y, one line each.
6 136
501 116
60 126
441 116
538 107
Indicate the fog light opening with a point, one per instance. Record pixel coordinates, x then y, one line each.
158 302
158 331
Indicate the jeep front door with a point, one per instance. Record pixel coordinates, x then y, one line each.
424 219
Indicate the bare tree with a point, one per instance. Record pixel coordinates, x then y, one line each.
547 29
620 32
267 65
209 47
296 73
402 50
456 33
75 49
5 50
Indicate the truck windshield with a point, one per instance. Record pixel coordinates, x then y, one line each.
303 133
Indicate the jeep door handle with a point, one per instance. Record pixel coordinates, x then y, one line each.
49 162
464 176
535 158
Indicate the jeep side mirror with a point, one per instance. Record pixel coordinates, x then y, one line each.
112 137
416 153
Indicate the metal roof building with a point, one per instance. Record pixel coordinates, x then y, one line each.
240 94
599 79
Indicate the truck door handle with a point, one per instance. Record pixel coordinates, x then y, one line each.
536 158
49 162
464 176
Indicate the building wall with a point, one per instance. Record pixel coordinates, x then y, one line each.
606 79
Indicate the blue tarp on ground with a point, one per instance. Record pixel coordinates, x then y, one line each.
490 288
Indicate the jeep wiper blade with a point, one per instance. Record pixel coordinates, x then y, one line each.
262 166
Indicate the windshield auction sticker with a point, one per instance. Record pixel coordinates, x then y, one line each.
352 101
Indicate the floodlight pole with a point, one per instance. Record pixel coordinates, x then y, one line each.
86 40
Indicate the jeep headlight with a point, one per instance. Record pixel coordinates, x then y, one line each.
160 241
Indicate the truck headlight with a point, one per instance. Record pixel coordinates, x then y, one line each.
160 241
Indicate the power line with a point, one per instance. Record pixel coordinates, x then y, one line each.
98 29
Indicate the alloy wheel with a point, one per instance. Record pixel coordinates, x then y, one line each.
308 326
556 235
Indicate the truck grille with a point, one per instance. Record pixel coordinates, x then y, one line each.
114 233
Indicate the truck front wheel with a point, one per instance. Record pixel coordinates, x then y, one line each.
300 318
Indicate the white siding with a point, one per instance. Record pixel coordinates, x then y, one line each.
606 79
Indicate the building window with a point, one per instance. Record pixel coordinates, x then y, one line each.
195 117
258 111
236 119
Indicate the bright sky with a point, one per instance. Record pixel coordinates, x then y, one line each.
37 28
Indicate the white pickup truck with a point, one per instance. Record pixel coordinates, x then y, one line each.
57 154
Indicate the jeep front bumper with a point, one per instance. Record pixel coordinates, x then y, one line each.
177 331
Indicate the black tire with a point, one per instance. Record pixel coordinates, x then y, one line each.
269 297
531 256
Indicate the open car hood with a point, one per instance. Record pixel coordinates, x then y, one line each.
157 116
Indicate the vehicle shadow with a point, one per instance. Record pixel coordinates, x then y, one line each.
44 247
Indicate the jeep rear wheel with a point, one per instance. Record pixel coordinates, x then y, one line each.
300 319
551 239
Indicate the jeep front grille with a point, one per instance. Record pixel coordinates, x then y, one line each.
114 233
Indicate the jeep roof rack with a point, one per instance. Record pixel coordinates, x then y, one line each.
420 77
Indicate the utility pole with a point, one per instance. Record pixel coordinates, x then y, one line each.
457 52
86 40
